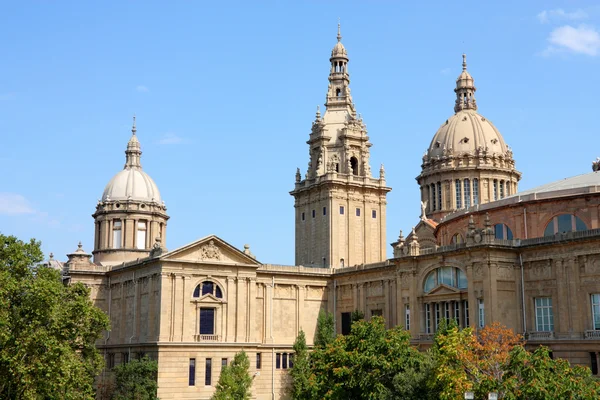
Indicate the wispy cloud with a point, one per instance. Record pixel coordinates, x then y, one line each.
558 14
170 138
142 89
14 204
582 40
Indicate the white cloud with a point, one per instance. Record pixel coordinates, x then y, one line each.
142 89
583 39
14 204
170 138
558 14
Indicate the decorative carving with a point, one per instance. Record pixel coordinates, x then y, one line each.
210 252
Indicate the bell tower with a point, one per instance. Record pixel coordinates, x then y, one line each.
340 207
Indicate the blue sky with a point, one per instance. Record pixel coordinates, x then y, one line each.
225 93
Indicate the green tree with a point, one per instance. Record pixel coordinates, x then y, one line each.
235 380
357 315
325 333
136 380
369 364
301 388
47 330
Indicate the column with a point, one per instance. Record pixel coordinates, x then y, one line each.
399 301
301 294
269 313
386 305
473 310
229 310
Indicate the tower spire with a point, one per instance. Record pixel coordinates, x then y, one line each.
338 94
134 151
465 89
339 35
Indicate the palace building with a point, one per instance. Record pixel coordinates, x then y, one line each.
481 252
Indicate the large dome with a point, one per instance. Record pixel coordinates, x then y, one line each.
131 184
467 132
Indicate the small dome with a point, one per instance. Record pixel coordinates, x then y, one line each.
133 184
339 50
467 132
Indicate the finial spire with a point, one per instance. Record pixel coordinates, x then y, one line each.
339 36
465 89
318 112
133 128
464 62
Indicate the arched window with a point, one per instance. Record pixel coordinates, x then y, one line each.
564 223
338 92
457 239
502 231
208 287
354 165
449 276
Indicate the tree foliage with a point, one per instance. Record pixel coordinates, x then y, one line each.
325 333
301 371
370 363
136 380
235 380
47 330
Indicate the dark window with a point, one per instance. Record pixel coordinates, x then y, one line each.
376 313
374 214
218 293
346 323
197 291
313 213
207 287
594 366
124 358
358 212
291 360
302 216
324 210
342 210
354 165
278 360
207 321
208 372
284 360
110 362
223 362
258 360
192 372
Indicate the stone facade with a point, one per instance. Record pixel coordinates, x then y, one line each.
530 260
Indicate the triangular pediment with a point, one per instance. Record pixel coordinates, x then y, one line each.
443 289
209 298
211 250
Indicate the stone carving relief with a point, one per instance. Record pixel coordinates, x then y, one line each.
375 289
505 273
541 270
210 252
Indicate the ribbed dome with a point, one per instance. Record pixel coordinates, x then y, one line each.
466 132
339 50
133 184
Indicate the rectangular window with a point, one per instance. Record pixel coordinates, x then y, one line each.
207 321
284 360
141 235
258 360
208 372
544 318
302 216
291 360
342 210
110 361
439 194
447 311
466 317
458 194
596 311
438 315
374 213
427 318
501 189
407 317
457 312
324 210
377 313
278 360
223 362
467 185
594 366
192 372
117 236
495 189
432 193
346 323
313 213
475 191
358 212
124 357
481 314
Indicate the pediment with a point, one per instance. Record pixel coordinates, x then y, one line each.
212 250
443 289
209 298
